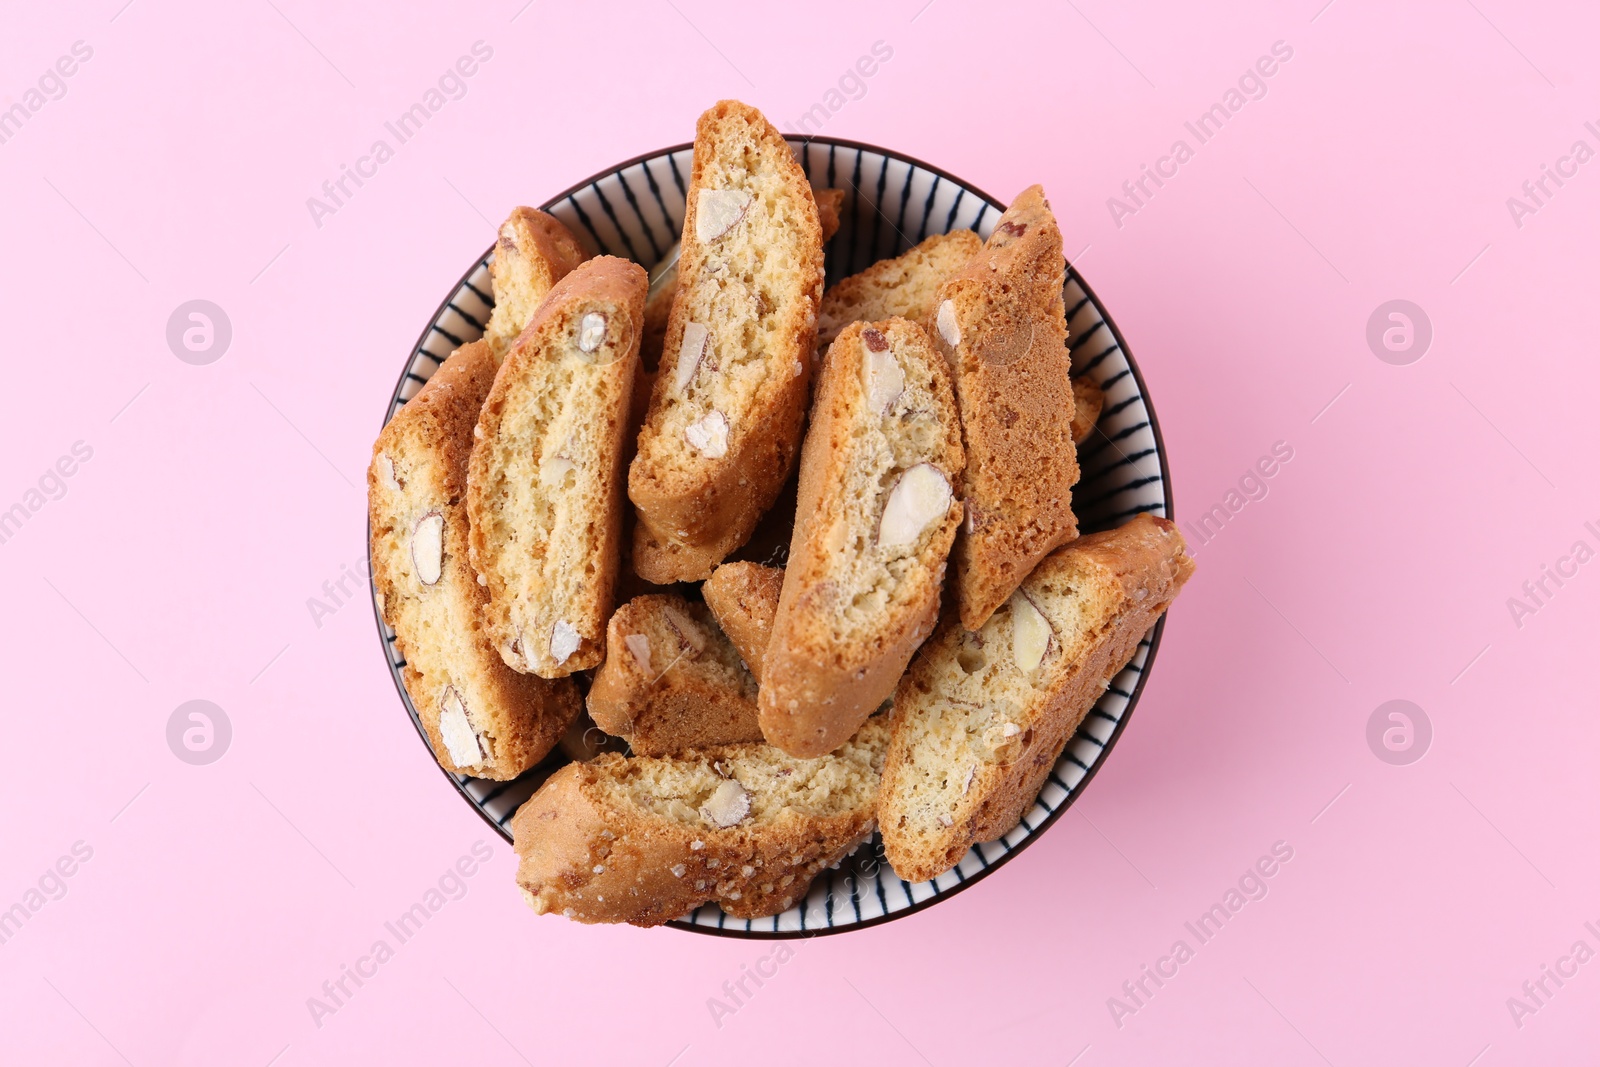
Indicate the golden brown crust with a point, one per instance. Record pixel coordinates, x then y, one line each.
853 608
1002 322
1087 403
532 253
744 598
975 736
671 680
755 283
907 285
420 466
592 848
545 480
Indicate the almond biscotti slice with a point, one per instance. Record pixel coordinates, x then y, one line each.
671 680
744 598
664 280
1002 323
545 484
645 840
981 718
907 285
876 516
729 399
532 253
1087 403
482 718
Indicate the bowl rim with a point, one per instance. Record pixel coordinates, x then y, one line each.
1133 698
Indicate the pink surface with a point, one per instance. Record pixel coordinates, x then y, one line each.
178 561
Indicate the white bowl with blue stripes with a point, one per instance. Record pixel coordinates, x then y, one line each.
891 202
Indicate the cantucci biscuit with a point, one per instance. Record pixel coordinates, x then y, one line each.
671 680
644 840
533 252
1087 403
482 718
728 404
545 484
744 598
1002 324
877 513
981 717
907 285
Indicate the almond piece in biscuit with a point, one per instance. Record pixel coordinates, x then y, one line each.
1087 403
744 598
981 717
533 252
671 680
729 398
907 285
545 483
1002 324
481 717
875 520
664 282
645 840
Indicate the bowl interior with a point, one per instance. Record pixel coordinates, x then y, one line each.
891 203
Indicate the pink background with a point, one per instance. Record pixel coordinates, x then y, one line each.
179 562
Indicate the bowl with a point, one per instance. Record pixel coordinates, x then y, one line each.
892 201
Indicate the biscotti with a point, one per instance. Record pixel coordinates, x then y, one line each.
744 598
481 717
728 403
877 513
671 680
545 484
533 252
1087 403
1002 323
645 840
907 285
981 718
664 280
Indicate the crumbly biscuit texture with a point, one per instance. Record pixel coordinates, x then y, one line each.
671 680
907 285
1002 324
728 403
532 252
744 598
877 513
644 840
481 717
545 483
981 717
